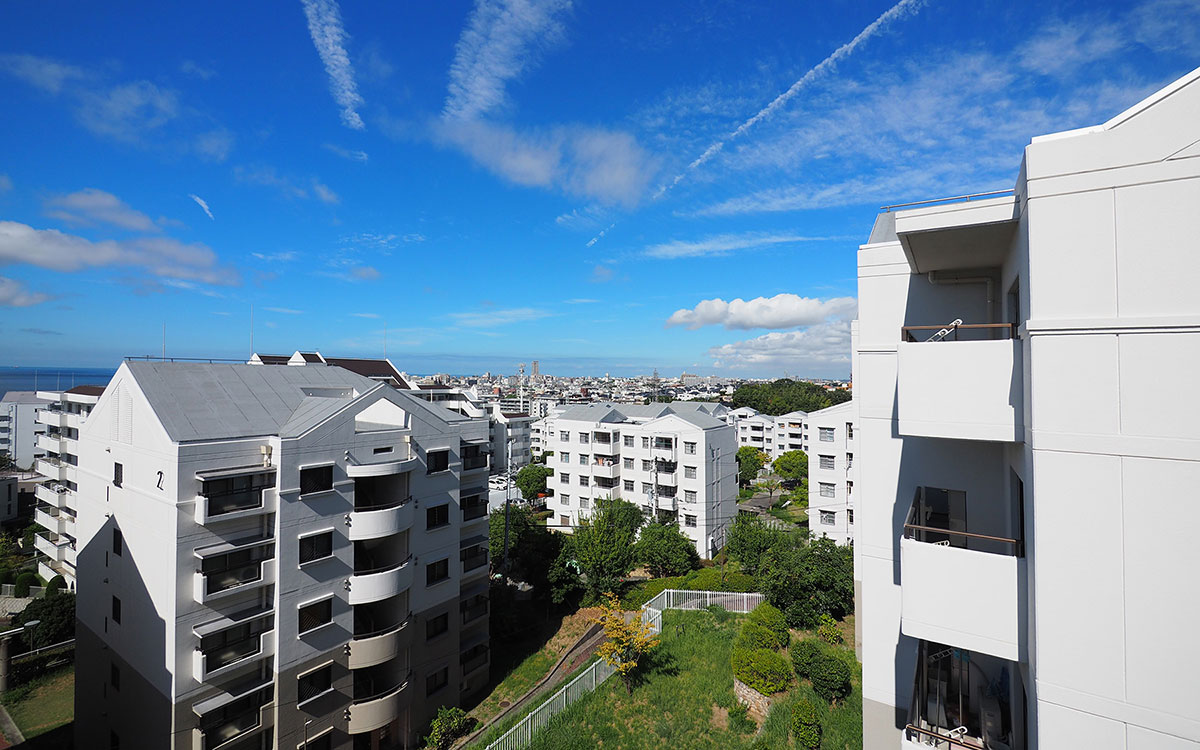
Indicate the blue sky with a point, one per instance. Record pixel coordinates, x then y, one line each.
604 187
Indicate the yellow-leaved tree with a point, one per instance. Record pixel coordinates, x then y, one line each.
628 639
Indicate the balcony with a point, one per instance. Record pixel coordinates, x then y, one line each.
229 717
377 584
51 443
473 559
236 505
53 495
370 649
374 522
54 549
473 609
474 508
474 658
474 463
606 469
228 569
207 665
963 589
960 389
50 518
52 417
376 709
55 469
400 460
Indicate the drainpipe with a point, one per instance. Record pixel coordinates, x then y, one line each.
986 280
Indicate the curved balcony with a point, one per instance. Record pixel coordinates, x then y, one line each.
371 713
380 520
382 468
375 648
380 583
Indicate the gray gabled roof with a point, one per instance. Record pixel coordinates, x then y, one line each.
214 401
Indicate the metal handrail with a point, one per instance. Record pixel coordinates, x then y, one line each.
388 505
383 568
1017 543
937 737
383 631
383 693
951 199
906 331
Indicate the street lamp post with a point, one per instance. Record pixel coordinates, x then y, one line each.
6 650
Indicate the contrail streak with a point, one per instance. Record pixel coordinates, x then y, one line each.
896 11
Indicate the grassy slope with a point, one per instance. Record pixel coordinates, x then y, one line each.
674 704
50 704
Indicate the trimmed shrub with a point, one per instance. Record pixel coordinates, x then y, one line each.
805 654
800 615
450 724
806 725
753 635
830 678
827 631
24 581
773 620
762 669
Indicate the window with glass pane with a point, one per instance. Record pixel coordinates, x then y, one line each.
314 683
316 547
316 479
313 616
439 515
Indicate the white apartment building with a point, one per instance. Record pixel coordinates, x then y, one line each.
275 557
831 471
676 461
757 431
512 435
57 505
19 428
789 433
1025 374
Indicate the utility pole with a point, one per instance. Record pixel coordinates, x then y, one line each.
507 496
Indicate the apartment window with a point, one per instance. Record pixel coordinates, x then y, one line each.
627 463
583 459
827 489
689 472
850 515
116 610
645 442
849 430
436 461
583 502
849 489
689 449
564 521
646 487
564 478
825 434
316 479
315 683
826 462
629 441
628 485
689 496
382 449
312 616
828 517
437 681
565 457
768 441
114 676
645 465
117 542
436 572
584 438
437 516
435 626
564 436
583 480
566 499
689 521
316 547
849 460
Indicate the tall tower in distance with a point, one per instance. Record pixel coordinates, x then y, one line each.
534 374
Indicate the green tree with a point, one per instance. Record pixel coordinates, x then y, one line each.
604 544
771 486
532 548
783 396
627 639
56 617
6 462
565 583
665 551
531 480
449 724
792 465
749 540
750 460
808 581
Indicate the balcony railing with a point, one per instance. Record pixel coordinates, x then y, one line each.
474 560
474 509
935 535
473 612
958 331
475 662
470 463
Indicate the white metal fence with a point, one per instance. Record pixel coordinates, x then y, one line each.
521 735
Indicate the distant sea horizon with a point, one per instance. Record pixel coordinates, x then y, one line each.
52 378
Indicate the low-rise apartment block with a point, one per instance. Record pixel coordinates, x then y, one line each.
275 557
20 428
831 471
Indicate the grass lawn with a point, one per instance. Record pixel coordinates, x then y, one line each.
48 704
683 696
794 513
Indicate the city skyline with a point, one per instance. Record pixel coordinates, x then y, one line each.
616 188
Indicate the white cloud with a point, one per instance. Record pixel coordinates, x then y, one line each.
819 350
14 294
364 273
284 310
897 11
602 273
492 318
280 257
780 311
267 176
325 26
604 165
160 256
579 301
6 183
502 40
215 145
91 206
43 73
129 111
202 204
324 193
346 153
723 244
196 70
372 316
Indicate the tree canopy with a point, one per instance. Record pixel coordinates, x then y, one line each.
665 551
604 544
531 480
783 396
750 460
56 620
532 548
808 581
749 540
792 465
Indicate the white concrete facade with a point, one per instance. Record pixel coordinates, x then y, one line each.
679 467
831 471
273 553
20 428
1026 520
